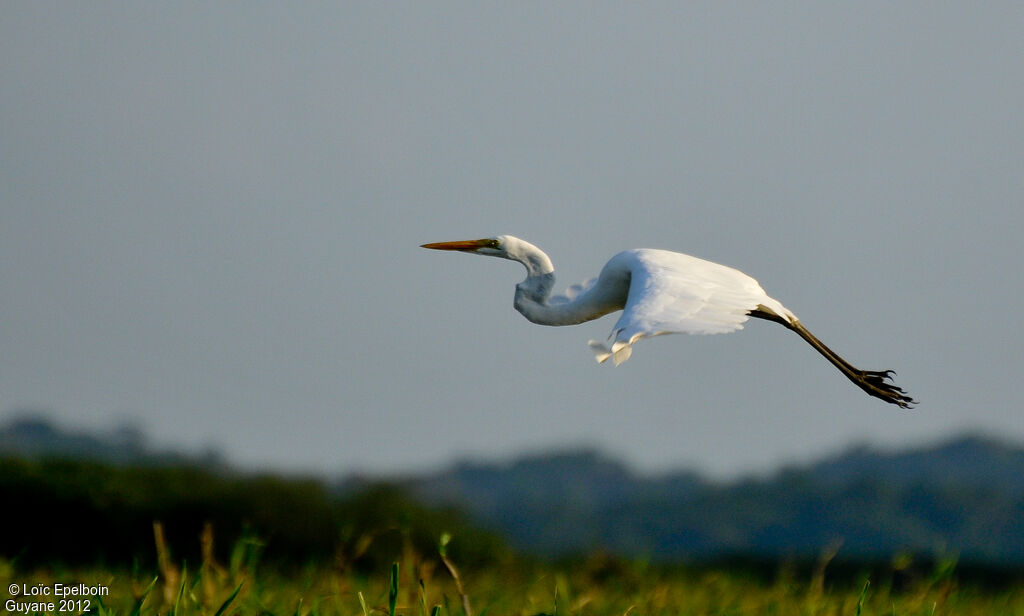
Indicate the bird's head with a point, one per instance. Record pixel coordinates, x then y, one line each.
504 246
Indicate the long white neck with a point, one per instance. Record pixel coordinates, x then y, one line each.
532 294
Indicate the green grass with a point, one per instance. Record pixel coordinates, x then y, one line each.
418 586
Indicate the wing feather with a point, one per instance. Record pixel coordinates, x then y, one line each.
673 293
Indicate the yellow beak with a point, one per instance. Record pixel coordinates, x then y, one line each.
464 245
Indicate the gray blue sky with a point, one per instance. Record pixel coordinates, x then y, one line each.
210 216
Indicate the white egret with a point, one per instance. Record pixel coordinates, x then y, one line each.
659 292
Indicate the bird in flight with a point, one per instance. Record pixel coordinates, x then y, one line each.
659 292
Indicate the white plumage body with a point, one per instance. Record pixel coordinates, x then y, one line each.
664 292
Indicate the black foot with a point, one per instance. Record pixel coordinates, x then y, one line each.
879 385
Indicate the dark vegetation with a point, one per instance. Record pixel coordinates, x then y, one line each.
895 514
79 512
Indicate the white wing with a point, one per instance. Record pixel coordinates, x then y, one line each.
673 293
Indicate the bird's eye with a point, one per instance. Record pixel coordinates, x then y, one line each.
493 243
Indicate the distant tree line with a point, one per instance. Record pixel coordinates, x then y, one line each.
964 498
79 512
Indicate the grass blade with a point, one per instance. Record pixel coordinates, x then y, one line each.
101 607
181 590
228 601
442 549
393 590
137 609
863 593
